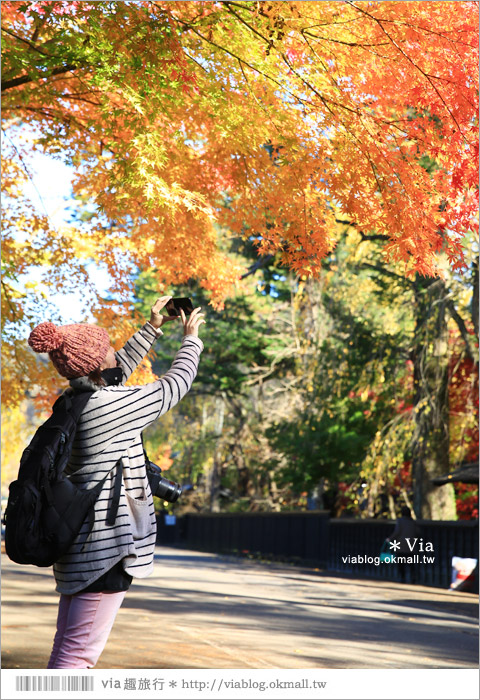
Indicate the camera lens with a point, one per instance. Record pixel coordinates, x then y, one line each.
168 490
162 488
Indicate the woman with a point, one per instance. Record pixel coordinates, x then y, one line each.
94 575
405 534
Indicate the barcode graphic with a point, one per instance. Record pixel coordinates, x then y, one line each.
52 683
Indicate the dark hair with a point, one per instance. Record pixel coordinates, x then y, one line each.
95 376
406 513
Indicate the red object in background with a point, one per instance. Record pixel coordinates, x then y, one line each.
463 397
403 476
467 501
464 574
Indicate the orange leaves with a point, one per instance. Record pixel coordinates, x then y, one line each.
161 456
265 118
220 277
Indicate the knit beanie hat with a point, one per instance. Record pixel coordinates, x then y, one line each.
75 350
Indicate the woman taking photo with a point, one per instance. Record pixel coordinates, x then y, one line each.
95 573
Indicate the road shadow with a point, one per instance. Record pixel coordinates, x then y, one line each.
358 615
325 620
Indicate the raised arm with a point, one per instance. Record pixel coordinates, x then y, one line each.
153 400
131 409
135 349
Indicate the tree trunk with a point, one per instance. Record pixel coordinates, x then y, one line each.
430 444
215 480
475 297
315 499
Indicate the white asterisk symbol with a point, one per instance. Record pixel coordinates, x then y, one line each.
394 545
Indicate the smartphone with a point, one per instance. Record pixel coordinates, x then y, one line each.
174 305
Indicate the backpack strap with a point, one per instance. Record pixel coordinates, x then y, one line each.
144 449
117 486
75 403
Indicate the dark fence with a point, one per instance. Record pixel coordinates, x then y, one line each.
350 538
287 536
311 538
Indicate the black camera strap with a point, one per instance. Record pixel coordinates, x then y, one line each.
147 460
144 450
117 489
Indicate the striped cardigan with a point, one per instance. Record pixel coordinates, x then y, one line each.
109 429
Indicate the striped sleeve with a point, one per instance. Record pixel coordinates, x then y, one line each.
135 349
126 411
179 378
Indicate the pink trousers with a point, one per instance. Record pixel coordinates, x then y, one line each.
83 625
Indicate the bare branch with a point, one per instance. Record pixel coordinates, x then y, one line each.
31 44
387 273
23 79
365 237
263 261
373 237
461 327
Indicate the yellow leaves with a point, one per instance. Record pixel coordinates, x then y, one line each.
133 99
84 247
174 196
150 149
16 431
221 279
364 394
22 370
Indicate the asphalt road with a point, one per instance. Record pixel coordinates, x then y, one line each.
205 611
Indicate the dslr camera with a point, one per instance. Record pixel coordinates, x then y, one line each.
163 488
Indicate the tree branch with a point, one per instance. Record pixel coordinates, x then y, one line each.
461 327
475 299
365 237
23 79
339 41
374 236
346 223
388 273
263 261
252 29
9 301
50 114
31 44
301 100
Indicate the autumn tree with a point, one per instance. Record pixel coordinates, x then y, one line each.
167 108
189 123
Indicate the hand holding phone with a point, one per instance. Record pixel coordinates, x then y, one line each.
157 319
192 324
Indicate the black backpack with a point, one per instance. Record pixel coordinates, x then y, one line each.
45 510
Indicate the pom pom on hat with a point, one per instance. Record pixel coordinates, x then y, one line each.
75 350
45 337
